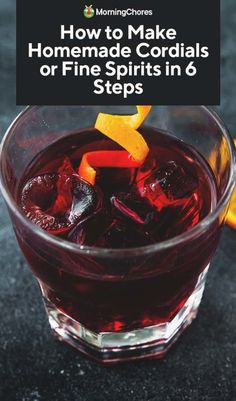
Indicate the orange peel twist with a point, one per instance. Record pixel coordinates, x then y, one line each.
231 214
122 130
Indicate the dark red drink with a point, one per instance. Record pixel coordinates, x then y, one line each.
127 208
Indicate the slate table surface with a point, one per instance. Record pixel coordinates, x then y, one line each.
35 367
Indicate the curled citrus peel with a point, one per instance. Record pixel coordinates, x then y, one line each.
122 130
231 215
104 158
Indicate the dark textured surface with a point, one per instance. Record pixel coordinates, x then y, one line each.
35 367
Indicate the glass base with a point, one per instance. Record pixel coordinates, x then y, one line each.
113 347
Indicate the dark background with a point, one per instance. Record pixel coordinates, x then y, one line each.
35 367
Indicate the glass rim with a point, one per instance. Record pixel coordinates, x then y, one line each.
134 251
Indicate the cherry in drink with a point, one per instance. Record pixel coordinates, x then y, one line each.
127 208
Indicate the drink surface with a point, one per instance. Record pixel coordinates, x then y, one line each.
167 196
128 207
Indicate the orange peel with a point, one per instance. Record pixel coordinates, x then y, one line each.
136 119
104 158
231 214
122 129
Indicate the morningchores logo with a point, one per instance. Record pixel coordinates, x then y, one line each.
89 12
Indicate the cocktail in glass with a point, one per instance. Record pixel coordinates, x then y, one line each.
121 264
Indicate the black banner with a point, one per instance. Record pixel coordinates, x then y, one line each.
127 52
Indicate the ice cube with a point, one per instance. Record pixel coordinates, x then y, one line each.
86 199
89 230
102 230
38 196
140 214
123 235
133 207
187 215
58 212
164 202
166 185
113 180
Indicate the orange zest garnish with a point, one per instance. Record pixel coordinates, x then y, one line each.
231 215
134 120
104 158
122 130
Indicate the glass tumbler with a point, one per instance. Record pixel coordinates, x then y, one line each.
111 304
